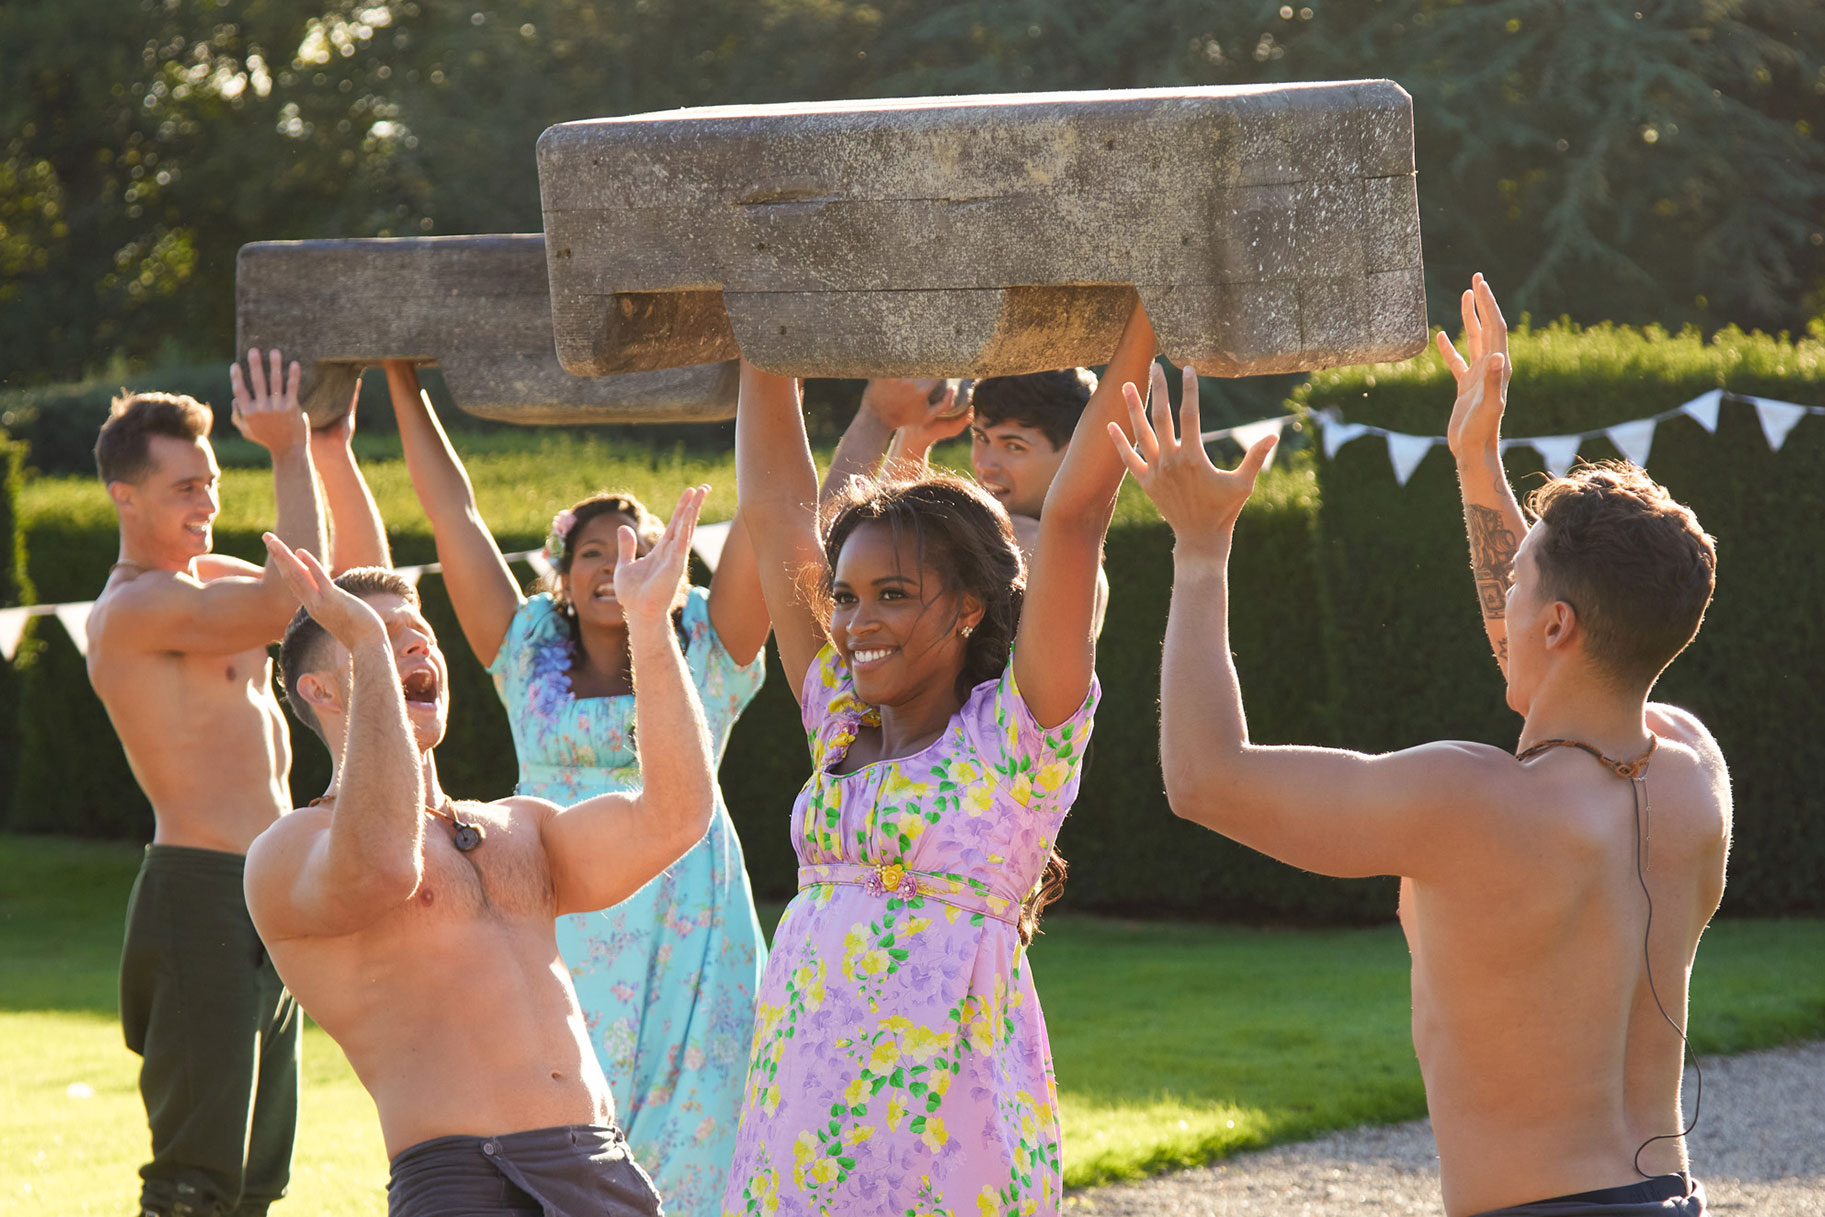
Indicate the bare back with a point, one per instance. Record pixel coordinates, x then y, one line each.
454 1009
203 732
1546 1060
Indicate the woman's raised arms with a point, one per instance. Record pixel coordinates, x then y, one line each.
776 493
482 588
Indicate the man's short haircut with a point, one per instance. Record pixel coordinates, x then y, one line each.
1633 564
121 451
302 645
1048 402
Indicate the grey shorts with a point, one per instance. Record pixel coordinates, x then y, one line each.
1662 1196
582 1170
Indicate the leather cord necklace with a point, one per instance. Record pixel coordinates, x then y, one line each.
1635 772
468 836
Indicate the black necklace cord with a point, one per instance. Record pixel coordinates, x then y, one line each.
1635 772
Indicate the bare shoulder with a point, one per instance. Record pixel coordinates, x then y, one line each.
1681 726
282 847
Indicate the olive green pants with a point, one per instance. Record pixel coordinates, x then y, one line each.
218 1034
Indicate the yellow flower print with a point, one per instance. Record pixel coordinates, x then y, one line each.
858 1134
964 773
935 1136
987 1203
1052 777
857 1091
1022 789
899 788
913 827
885 1056
978 800
896 1111
825 1170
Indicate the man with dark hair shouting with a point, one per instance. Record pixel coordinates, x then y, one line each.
418 930
1552 900
177 653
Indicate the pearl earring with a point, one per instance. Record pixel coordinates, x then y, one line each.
967 630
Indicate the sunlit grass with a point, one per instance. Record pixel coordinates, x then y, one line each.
1175 1044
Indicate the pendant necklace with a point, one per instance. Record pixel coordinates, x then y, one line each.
468 836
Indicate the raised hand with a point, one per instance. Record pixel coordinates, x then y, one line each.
920 402
1482 373
349 619
1199 500
338 436
268 413
648 586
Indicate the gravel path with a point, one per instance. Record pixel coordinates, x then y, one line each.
1760 1150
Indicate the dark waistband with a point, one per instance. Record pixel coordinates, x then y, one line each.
532 1138
194 861
1655 1191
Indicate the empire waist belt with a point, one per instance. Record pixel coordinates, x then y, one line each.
892 879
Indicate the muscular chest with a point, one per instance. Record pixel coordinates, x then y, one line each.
504 876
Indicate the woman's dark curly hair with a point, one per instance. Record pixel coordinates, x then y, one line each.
963 536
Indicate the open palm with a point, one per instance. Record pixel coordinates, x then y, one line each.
648 585
1196 498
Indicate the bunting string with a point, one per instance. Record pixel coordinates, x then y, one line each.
1634 439
706 542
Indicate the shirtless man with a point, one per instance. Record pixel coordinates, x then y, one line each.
419 930
1019 428
1546 1012
177 653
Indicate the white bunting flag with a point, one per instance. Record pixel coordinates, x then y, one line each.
1778 419
411 574
707 542
1338 433
12 629
1405 452
1250 434
536 559
1558 451
1703 409
1634 440
75 618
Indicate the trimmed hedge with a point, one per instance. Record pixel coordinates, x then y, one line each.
1413 662
15 589
1353 620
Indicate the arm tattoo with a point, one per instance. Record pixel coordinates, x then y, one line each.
1492 551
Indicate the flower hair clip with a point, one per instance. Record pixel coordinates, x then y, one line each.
559 536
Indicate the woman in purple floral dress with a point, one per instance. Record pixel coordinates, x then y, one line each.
667 977
900 1063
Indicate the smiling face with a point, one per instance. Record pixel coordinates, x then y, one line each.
895 622
1015 463
423 675
171 507
589 584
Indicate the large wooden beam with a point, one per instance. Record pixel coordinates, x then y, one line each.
478 307
1267 229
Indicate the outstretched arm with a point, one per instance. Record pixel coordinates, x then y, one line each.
738 605
603 849
899 419
303 884
1492 517
1330 811
357 537
776 489
1055 651
482 589
221 611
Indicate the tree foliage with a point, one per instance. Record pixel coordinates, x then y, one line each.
1666 164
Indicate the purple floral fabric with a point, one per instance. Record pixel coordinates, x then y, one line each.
900 1062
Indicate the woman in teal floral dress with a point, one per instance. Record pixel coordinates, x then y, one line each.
667 978
900 1063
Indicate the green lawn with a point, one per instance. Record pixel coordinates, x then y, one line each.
1175 1043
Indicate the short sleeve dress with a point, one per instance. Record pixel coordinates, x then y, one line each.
667 977
900 1060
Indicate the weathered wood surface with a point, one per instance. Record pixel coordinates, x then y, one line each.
479 307
1267 229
